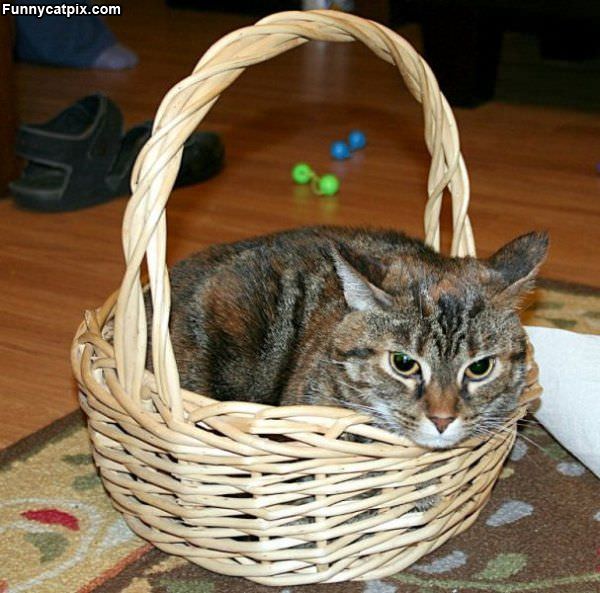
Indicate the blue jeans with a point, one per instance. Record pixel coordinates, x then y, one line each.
74 41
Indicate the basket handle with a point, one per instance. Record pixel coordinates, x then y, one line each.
184 107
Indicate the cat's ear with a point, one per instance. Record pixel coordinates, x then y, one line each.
518 263
359 293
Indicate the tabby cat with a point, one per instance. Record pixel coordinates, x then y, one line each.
430 346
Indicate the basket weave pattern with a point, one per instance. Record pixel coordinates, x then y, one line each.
280 495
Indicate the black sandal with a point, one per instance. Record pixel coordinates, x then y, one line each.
81 158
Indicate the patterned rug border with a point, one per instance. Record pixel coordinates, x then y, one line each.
121 579
29 445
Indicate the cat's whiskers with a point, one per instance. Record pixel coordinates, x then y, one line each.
520 422
375 414
372 410
354 405
502 420
503 428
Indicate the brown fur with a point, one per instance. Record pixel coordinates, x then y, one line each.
311 315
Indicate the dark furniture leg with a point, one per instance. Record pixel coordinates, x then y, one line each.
462 46
574 40
8 117
376 10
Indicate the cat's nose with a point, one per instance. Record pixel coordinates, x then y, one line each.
442 422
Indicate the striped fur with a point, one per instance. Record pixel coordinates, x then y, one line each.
311 315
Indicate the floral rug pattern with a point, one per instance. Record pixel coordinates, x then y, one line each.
540 531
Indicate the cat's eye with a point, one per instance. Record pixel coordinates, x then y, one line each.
404 365
479 369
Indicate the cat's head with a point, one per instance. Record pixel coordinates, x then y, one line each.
436 351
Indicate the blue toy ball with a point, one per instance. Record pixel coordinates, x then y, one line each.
340 150
357 140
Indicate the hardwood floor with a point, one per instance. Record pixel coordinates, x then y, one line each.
531 168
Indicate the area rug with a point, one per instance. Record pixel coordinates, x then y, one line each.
539 532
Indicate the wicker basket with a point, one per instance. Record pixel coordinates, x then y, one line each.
273 494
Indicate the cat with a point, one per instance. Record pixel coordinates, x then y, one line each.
431 347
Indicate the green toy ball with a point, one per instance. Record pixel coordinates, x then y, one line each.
328 185
302 173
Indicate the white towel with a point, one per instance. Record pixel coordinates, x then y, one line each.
570 376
